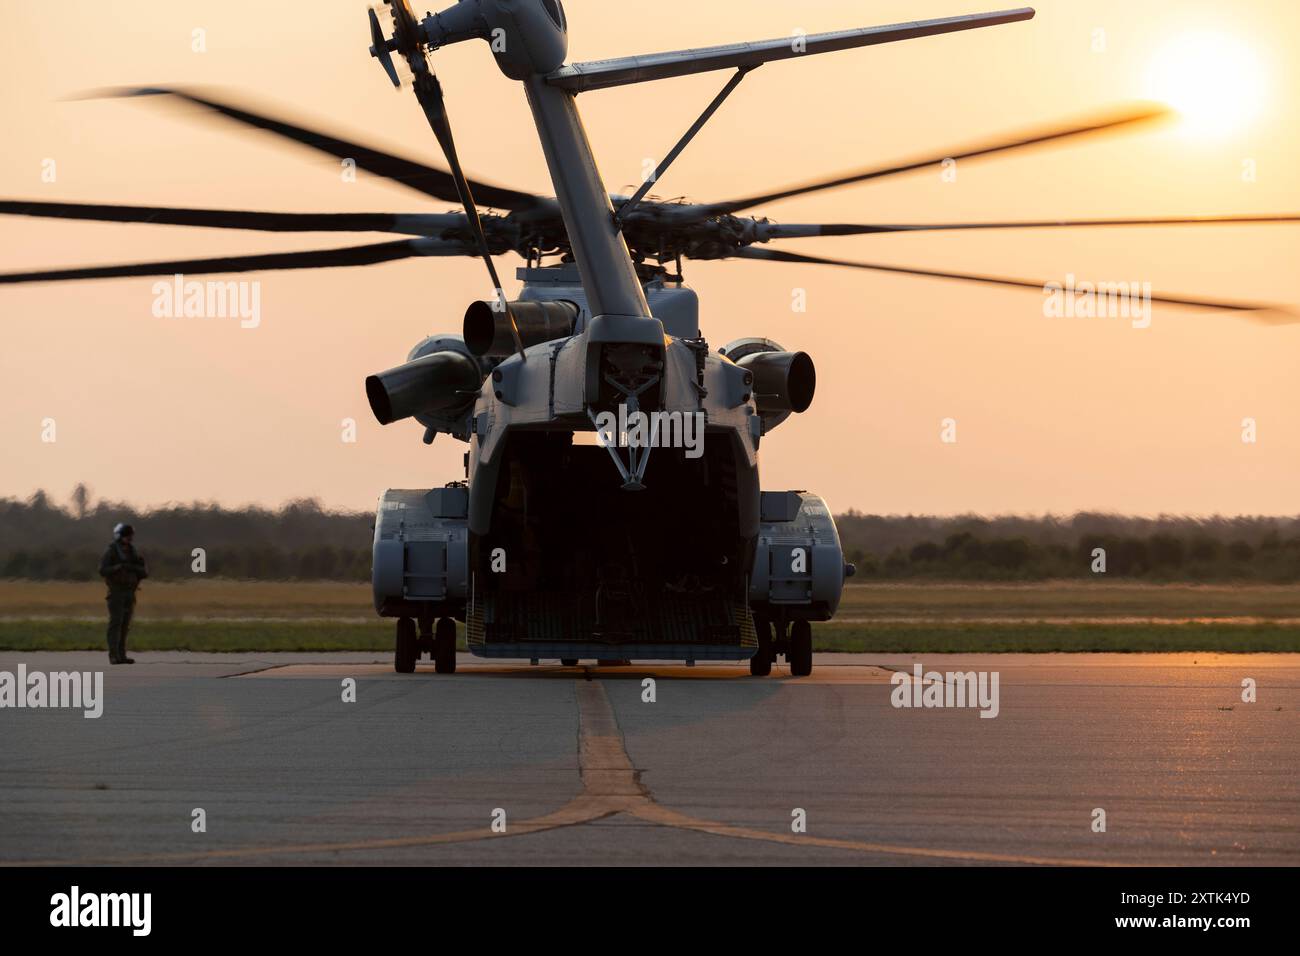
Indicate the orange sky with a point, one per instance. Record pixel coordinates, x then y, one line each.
1053 414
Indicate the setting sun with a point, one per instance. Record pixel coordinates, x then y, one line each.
1214 81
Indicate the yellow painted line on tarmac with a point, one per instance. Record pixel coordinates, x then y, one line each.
654 813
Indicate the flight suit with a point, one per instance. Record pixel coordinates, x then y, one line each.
122 569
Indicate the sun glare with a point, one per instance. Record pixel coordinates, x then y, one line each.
1214 81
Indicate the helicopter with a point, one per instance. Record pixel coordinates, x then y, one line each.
610 506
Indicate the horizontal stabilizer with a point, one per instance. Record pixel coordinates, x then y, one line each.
601 74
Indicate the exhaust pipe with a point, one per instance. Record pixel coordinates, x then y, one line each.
783 381
487 329
438 382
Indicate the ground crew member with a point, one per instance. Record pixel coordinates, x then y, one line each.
122 569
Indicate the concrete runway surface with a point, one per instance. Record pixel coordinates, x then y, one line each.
711 772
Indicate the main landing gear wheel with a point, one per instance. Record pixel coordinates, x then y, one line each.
799 655
760 665
407 647
444 647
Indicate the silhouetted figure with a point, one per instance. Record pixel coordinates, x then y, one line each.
122 569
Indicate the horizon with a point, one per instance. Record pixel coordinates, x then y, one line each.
93 504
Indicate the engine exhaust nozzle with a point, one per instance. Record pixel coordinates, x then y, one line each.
441 381
783 381
487 329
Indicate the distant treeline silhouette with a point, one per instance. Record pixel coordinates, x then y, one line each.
41 540
1167 548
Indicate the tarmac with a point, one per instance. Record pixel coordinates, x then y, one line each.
1091 759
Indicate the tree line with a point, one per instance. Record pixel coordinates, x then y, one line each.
43 540
1085 545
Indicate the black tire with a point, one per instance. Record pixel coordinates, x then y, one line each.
444 647
408 648
799 656
760 665
568 662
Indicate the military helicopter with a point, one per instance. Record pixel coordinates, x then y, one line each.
611 505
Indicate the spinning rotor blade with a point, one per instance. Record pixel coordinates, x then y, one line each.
417 224
777 255
800 231
317 259
1028 138
424 179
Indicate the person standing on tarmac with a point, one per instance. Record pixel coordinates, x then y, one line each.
122 569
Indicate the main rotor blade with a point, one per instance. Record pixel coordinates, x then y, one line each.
416 224
425 179
799 230
1034 137
317 259
778 255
